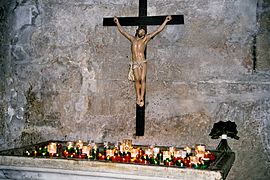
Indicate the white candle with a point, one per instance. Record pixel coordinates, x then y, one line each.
109 152
134 153
200 150
86 150
166 154
156 151
178 154
148 151
79 144
52 148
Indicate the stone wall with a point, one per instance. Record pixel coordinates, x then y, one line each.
64 75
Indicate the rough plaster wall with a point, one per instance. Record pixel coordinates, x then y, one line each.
64 76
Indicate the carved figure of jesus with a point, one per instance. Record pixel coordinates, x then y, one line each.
139 64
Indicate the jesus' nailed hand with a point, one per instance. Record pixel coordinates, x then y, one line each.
139 64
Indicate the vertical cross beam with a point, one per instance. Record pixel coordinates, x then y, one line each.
140 111
142 21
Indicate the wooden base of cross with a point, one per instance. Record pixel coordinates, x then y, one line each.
140 120
142 21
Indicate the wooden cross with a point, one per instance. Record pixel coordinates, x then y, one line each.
142 21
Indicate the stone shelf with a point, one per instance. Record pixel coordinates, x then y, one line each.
15 166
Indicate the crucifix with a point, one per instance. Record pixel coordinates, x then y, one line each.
138 67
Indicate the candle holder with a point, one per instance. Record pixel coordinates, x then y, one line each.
223 144
224 129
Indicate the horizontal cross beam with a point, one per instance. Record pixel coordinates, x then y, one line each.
144 20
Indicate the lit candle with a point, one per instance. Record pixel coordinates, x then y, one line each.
184 154
134 153
52 148
27 153
35 153
101 157
145 162
209 155
113 158
166 155
148 152
86 150
82 156
70 145
171 150
79 144
194 160
169 163
199 150
109 152
188 150
156 151
178 154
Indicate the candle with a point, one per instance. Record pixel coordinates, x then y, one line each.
188 150
121 149
79 144
148 152
101 157
169 163
27 153
171 150
199 150
35 153
134 153
70 145
109 152
205 162
156 151
209 155
184 154
65 153
113 158
52 148
82 156
196 166
86 150
178 154
166 155
194 160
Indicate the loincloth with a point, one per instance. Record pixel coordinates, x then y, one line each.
138 64
135 65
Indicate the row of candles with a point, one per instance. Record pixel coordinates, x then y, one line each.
126 153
